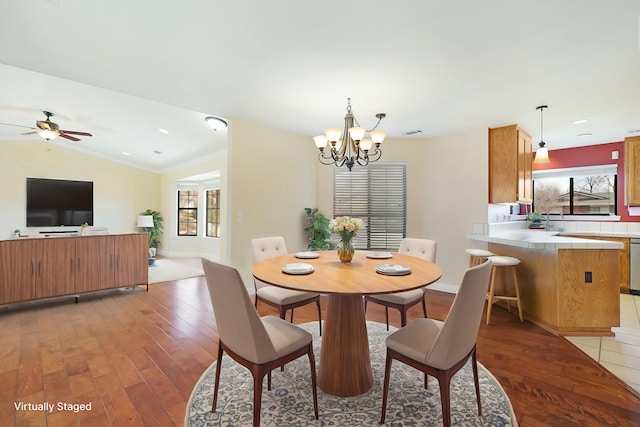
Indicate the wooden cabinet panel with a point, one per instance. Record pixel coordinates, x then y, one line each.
510 165
55 267
95 263
632 170
17 271
131 259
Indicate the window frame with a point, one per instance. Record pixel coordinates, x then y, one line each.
570 174
208 210
383 209
190 209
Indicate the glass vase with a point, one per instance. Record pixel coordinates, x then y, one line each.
345 251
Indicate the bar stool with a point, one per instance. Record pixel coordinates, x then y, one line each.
477 256
503 262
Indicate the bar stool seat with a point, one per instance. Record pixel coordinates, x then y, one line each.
503 262
477 256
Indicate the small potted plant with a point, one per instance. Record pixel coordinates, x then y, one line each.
318 232
535 220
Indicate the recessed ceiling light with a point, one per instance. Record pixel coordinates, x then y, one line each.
126 154
581 121
585 134
163 131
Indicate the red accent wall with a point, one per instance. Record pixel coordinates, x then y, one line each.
592 155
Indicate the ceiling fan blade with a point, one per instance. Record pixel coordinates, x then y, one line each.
75 132
28 133
69 137
20 126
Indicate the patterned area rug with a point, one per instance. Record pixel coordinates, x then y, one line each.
289 403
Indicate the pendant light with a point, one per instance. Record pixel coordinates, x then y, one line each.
542 154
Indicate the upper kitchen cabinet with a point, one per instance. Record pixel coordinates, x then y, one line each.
510 165
632 170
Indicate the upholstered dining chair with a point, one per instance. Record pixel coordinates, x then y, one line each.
441 349
260 344
282 299
403 301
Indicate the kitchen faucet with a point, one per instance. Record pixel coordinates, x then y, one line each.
559 210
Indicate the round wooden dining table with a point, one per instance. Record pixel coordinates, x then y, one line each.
345 366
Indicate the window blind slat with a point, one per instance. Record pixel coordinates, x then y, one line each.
377 195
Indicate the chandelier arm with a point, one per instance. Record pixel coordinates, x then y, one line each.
363 161
322 157
375 156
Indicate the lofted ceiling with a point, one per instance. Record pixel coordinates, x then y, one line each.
122 69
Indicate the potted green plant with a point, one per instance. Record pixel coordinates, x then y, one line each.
535 220
318 232
154 232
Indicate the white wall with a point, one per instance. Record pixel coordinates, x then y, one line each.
271 181
120 192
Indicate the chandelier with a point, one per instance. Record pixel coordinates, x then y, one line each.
349 146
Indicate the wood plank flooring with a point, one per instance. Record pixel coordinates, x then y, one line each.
135 356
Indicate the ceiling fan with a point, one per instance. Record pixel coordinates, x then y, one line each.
49 130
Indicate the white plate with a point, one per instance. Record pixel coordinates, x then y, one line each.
379 255
297 268
393 269
307 255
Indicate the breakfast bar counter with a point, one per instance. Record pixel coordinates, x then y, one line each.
568 285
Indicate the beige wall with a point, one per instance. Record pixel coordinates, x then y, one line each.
120 192
455 196
271 181
446 192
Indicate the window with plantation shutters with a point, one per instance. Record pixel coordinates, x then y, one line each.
376 194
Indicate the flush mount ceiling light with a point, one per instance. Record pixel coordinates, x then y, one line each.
352 148
542 153
215 123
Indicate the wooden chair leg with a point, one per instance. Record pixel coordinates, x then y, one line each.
424 304
312 365
490 294
515 284
386 315
385 387
445 398
403 317
217 381
257 395
292 315
319 315
474 365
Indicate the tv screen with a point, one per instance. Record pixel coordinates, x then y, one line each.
55 202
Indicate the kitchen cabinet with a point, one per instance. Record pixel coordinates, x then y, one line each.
35 268
632 170
623 257
510 165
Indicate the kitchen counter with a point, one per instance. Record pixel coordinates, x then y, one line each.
542 239
568 285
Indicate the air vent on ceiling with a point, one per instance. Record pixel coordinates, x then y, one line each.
412 132
157 151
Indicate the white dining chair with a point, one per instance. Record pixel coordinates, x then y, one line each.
441 349
403 301
260 344
283 299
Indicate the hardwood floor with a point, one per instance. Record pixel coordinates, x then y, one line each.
135 356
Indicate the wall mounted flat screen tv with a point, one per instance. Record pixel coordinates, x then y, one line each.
56 202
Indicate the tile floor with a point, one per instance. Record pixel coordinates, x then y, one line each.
619 354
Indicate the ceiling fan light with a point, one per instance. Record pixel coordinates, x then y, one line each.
215 123
47 134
